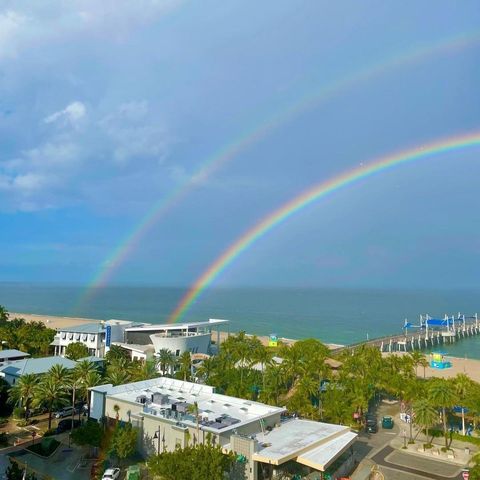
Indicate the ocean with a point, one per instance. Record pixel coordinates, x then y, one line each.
331 315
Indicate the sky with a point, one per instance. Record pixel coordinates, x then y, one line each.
106 108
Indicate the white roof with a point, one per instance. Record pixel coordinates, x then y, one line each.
211 405
322 456
296 438
178 326
135 347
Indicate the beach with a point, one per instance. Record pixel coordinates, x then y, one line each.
469 366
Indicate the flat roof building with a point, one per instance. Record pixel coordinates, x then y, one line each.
12 371
163 411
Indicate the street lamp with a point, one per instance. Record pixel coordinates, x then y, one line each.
34 434
157 437
404 433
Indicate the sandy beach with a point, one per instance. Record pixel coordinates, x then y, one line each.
53 321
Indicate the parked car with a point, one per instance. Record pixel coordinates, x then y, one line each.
66 425
387 422
372 425
65 412
111 474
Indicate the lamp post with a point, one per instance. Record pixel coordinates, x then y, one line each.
404 433
157 437
34 434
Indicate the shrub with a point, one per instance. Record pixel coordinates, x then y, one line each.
3 420
23 423
50 432
45 448
18 412
3 439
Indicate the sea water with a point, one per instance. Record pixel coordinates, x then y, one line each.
331 315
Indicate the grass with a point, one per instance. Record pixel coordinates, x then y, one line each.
44 449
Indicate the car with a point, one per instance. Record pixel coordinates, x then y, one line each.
372 426
387 422
111 474
66 425
65 412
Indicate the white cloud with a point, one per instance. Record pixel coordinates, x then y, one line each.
72 114
11 23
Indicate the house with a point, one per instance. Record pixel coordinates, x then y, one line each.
12 371
12 354
170 413
93 335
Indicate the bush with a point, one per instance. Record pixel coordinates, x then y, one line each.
18 412
3 420
50 432
3 439
45 448
23 423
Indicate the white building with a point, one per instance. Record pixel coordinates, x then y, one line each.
161 409
192 337
92 335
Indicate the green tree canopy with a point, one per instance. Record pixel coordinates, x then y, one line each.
124 441
202 462
76 350
90 433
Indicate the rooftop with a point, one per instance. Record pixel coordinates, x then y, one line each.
179 326
91 358
12 353
296 437
135 347
219 413
35 365
92 328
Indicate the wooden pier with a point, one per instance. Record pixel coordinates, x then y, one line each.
424 337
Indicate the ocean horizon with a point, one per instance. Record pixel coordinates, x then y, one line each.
333 315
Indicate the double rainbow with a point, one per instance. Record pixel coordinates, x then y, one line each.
311 196
253 135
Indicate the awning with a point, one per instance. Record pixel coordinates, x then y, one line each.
321 457
55 343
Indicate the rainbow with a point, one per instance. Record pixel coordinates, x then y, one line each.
251 136
309 197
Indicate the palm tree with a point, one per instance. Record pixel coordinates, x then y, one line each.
92 379
196 412
264 356
185 363
51 393
143 370
23 392
116 409
206 369
117 376
463 386
425 414
418 359
442 395
60 374
165 360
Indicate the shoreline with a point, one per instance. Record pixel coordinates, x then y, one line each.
56 321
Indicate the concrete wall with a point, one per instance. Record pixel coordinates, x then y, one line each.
95 344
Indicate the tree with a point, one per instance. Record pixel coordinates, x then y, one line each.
24 391
442 395
90 433
425 414
3 314
124 441
463 386
117 375
418 360
52 393
14 472
76 350
165 360
92 379
85 376
116 353
185 363
201 462
196 412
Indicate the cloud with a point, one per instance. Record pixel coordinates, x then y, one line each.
72 114
11 23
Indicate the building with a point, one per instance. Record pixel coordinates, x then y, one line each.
12 354
195 337
12 371
163 411
93 335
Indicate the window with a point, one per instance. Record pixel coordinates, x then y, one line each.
177 353
92 338
77 337
70 337
64 335
85 337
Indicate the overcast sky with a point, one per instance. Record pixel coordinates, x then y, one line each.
107 107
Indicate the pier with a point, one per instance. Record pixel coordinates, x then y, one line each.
429 333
